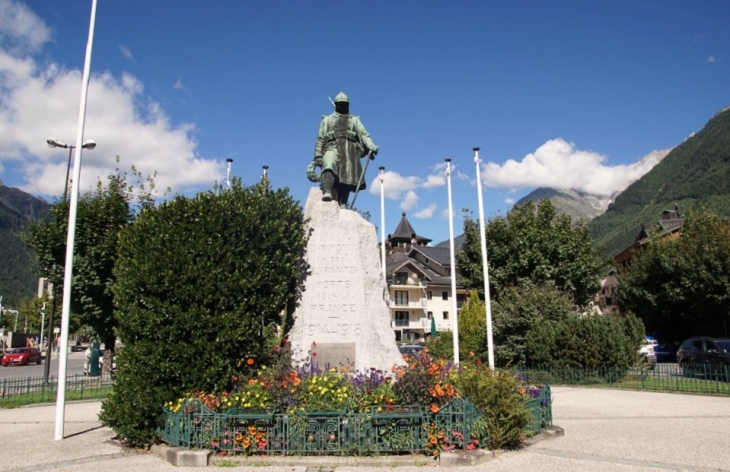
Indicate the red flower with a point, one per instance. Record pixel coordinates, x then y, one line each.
249 361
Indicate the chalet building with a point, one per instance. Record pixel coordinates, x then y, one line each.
667 227
419 284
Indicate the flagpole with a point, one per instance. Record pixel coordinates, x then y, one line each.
68 271
455 319
382 221
483 233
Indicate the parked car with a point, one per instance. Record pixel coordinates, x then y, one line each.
410 349
666 352
647 353
22 356
702 354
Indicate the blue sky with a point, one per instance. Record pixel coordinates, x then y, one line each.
565 94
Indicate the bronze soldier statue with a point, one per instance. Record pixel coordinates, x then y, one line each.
342 141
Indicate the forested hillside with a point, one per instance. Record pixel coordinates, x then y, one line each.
696 173
17 278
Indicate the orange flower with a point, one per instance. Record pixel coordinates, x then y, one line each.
439 391
284 384
434 408
251 381
252 429
471 353
433 440
249 361
246 442
239 437
296 382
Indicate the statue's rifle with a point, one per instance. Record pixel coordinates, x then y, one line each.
371 156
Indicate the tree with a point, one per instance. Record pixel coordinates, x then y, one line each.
472 327
200 284
534 245
518 310
101 215
681 287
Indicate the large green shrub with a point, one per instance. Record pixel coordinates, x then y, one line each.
497 395
199 283
585 342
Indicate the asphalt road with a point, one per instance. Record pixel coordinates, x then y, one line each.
75 365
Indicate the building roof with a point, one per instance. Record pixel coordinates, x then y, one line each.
405 232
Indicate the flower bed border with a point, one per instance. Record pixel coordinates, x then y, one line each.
397 430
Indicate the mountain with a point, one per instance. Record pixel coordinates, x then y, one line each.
694 174
17 210
570 202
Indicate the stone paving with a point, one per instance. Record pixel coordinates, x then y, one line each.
605 430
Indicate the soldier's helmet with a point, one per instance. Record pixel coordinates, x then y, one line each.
341 97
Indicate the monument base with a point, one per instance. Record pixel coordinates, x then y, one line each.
343 319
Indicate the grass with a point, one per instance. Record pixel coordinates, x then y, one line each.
49 396
675 384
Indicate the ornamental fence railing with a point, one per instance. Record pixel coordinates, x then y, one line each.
687 378
31 390
396 430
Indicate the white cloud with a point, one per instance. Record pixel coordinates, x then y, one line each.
126 52
433 181
410 201
509 201
21 31
178 85
38 102
426 212
558 164
712 59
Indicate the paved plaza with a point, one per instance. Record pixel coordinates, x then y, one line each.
605 430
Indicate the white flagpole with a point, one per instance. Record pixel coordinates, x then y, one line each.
68 271
483 233
455 319
382 220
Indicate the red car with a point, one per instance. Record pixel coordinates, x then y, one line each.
22 356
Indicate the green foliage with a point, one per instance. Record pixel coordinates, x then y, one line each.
441 346
101 215
696 173
681 287
517 312
497 395
198 280
584 342
533 244
472 327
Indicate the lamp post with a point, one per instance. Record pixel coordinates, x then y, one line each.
265 172
53 143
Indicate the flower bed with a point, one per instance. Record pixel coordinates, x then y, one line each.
311 411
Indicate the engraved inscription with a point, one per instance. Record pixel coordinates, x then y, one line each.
337 355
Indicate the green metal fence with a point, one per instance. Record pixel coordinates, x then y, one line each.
402 429
689 378
30 390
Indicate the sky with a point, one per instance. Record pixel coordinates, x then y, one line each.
563 94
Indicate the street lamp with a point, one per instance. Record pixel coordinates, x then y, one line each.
53 143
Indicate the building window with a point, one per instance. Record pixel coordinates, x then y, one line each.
446 315
429 295
429 315
445 295
401 318
398 336
400 278
460 299
401 297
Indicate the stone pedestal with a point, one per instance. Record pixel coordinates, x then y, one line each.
343 317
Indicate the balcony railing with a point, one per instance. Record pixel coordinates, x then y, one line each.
418 304
419 323
407 281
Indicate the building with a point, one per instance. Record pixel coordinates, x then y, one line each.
419 285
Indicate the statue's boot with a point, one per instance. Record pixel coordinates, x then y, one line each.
328 181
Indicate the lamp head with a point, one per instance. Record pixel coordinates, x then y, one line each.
89 144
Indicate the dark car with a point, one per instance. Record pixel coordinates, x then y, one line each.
666 352
702 354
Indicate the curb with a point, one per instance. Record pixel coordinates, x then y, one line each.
183 457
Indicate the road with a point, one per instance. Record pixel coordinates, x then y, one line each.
75 365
